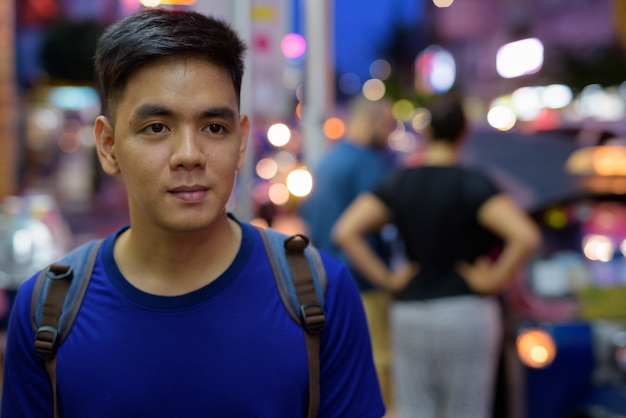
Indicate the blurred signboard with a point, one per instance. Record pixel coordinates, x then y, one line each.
268 24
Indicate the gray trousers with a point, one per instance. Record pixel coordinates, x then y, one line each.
445 356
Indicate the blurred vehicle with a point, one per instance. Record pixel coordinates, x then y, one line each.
565 349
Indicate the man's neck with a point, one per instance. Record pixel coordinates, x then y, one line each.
173 263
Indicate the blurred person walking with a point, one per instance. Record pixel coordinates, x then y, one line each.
354 164
182 315
446 323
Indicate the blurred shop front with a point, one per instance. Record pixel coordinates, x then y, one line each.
52 194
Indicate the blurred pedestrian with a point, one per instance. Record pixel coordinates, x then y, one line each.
445 320
354 164
182 316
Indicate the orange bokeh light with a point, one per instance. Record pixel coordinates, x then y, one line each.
536 348
609 160
334 128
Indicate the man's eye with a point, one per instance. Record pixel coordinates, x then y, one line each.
215 128
157 127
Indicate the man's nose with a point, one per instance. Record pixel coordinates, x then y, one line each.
188 150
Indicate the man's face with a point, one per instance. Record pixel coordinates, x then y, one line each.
178 141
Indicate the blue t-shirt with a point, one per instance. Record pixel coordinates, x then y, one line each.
228 349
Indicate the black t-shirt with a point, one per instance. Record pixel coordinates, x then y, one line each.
435 210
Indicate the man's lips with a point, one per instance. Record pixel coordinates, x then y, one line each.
190 193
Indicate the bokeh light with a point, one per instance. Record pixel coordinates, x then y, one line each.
374 89
293 45
266 168
601 104
298 110
403 110
279 134
279 194
536 348
292 78
501 117
609 160
435 70
527 103
155 3
300 182
519 58
334 128
556 218
598 248
556 96
421 119
403 141
286 161
349 84
380 69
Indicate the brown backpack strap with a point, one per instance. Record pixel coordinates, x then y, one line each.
56 300
293 270
311 313
60 276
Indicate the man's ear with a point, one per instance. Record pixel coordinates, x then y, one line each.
105 145
244 131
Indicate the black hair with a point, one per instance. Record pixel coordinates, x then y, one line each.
448 120
155 33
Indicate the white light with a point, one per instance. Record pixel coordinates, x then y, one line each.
526 102
278 134
519 58
595 102
556 96
374 89
300 182
444 71
598 248
501 118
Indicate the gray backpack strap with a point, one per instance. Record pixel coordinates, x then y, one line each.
56 300
301 281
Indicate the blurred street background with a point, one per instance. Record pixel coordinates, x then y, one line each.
522 65
543 81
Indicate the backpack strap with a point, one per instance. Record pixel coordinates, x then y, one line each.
301 280
55 303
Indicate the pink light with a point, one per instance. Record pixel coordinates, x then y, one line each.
293 45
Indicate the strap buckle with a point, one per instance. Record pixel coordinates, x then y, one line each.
313 321
45 341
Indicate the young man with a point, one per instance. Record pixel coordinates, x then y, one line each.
182 316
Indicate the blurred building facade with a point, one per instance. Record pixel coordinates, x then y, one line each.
572 31
51 43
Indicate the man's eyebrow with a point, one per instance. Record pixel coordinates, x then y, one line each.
148 110
223 112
